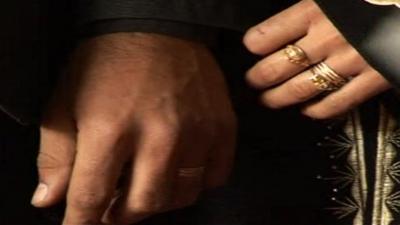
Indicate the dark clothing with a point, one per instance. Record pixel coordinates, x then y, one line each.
235 15
22 47
372 29
35 36
289 170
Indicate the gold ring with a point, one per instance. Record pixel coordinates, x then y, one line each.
191 172
325 78
296 55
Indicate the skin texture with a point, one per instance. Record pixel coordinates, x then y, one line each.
130 111
284 83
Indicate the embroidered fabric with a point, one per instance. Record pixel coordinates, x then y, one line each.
365 183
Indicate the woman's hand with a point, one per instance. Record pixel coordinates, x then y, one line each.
287 77
140 124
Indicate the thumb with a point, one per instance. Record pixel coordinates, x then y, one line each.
55 159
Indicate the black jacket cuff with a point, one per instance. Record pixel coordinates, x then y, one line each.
204 34
373 30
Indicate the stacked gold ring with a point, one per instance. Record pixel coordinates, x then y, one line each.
325 78
296 55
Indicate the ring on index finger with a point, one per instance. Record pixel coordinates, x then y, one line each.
296 55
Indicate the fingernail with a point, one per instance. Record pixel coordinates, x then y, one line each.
40 194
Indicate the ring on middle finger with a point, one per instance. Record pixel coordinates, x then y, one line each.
296 55
325 78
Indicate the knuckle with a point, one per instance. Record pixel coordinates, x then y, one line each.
335 40
47 161
56 157
355 58
55 153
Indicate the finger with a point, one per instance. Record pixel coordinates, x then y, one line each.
359 90
300 88
283 28
189 183
149 189
190 174
55 160
98 163
57 150
277 68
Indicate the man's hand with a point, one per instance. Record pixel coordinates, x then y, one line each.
140 124
286 83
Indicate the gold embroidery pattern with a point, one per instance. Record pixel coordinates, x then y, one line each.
394 172
393 202
386 172
345 208
386 199
357 162
344 178
340 146
354 174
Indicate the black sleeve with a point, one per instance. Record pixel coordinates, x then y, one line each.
194 19
189 19
200 33
212 13
374 30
